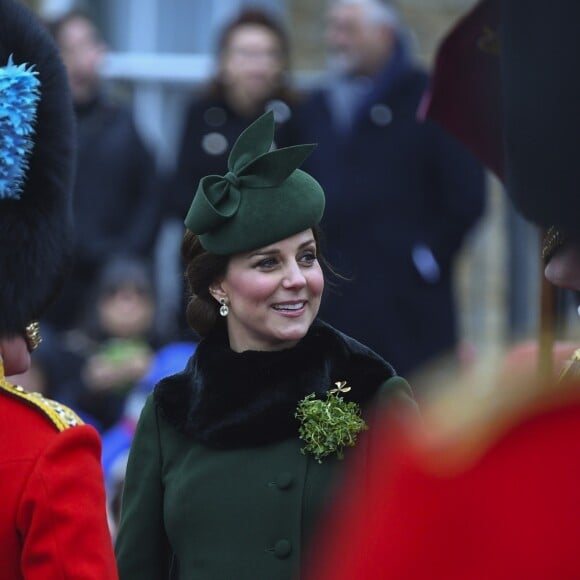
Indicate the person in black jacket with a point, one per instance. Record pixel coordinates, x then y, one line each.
253 61
401 195
116 198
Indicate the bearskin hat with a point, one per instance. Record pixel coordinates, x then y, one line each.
504 85
37 163
540 48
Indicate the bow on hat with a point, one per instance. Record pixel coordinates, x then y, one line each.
251 166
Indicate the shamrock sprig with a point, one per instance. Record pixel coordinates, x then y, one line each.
329 425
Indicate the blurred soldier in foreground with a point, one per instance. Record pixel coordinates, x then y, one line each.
489 486
52 513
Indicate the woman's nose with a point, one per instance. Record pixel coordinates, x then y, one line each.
293 276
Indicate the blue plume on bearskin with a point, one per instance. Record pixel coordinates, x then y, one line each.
19 91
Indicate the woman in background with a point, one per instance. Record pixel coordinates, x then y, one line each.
252 76
253 61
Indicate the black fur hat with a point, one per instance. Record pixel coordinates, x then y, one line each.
540 48
36 225
505 84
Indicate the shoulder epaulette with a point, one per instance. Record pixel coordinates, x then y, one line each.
59 415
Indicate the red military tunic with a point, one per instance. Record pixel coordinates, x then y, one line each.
53 521
488 490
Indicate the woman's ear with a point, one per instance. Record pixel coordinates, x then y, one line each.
217 291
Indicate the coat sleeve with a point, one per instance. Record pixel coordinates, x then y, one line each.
457 193
62 512
142 547
396 393
146 196
182 183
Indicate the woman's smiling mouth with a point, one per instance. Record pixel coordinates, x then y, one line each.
289 306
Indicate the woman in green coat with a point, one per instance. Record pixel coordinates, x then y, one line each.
235 457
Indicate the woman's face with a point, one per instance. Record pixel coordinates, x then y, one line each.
252 63
273 294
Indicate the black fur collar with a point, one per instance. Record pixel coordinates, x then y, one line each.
226 400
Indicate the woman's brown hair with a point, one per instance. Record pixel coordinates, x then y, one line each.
202 269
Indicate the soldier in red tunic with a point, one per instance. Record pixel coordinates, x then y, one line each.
52 508
488 487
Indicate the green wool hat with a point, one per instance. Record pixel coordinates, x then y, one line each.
263 198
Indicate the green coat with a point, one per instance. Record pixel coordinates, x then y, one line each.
243 512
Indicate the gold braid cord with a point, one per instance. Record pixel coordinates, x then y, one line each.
60 416
571 368
32 335
553 240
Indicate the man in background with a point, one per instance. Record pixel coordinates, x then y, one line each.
116 201
401 195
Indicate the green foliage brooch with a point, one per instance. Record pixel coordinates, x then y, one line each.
330 425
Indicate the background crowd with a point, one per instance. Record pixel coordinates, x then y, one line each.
405 204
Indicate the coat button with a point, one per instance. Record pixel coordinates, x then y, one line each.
214 143
215 116
381 115
282 549
285 480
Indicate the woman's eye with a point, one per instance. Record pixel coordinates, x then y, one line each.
308 257
266 263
